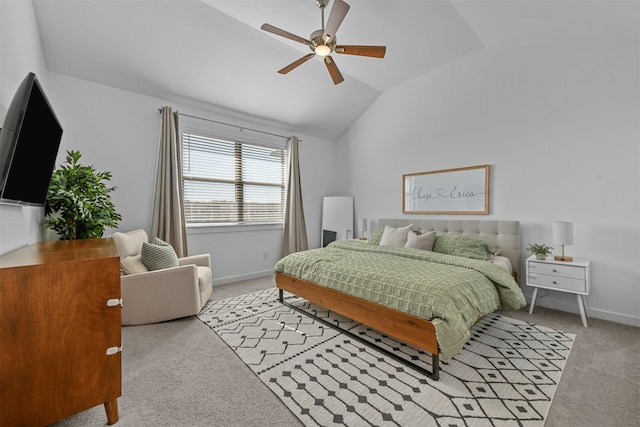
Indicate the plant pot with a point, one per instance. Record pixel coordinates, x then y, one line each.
541 256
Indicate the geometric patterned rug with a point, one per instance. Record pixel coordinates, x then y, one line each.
506 375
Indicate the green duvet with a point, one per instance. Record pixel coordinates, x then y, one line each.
450 291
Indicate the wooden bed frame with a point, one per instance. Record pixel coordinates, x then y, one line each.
410 329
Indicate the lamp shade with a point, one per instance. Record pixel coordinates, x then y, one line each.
363 224
563 232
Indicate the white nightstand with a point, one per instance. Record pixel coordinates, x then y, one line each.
572 277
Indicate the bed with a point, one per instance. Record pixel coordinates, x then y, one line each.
427 298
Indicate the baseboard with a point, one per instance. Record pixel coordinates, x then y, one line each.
624 319
232 279
615 317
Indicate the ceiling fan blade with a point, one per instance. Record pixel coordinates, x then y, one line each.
373 51
275 30
333 70
338 12
296 63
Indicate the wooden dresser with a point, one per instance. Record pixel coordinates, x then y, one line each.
60 332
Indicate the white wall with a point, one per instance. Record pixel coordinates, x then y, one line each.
19 225
118 131
560 129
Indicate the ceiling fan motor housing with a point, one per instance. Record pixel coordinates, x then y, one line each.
317 39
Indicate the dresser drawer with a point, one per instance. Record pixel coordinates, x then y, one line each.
569 271
557 282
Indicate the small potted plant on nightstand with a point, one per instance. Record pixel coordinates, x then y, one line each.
540 250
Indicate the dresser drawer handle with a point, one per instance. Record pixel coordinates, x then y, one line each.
113 350
554 282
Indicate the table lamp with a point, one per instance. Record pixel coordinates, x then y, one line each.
363 228
563 235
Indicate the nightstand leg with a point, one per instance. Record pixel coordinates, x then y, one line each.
533 300
586 307
582 314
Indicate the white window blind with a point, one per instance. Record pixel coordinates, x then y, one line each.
231 182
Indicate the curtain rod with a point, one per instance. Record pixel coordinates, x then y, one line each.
235 126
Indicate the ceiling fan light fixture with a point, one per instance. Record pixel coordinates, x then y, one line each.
322 50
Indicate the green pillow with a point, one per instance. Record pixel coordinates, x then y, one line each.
376 236
160 242
158 255
464 246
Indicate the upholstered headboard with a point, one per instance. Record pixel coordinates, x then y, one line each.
503 234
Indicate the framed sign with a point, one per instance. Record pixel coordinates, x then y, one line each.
450 191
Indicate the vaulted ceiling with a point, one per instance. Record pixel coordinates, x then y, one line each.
213 53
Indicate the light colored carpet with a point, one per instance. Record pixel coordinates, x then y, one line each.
507 373
180 374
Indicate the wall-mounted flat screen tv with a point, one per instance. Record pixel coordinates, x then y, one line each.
29 141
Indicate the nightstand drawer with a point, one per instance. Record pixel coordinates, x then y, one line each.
569 271
558 282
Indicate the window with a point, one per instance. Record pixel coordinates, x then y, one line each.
231 182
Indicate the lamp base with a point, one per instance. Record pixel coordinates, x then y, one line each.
563 258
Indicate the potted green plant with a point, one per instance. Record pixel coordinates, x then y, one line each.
79 202
540 250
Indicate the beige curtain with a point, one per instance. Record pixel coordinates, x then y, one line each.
295 230
168 221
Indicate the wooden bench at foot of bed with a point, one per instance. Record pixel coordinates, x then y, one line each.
407 328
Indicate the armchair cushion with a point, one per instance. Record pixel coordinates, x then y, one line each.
133 265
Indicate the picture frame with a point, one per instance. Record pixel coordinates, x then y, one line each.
459 191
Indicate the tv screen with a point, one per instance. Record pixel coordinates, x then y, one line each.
328 236
29 141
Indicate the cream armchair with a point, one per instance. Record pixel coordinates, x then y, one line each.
159 295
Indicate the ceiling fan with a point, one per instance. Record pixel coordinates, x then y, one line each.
323 41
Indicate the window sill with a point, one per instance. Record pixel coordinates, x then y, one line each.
232 227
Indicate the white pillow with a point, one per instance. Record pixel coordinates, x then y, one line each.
420 241
396 237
